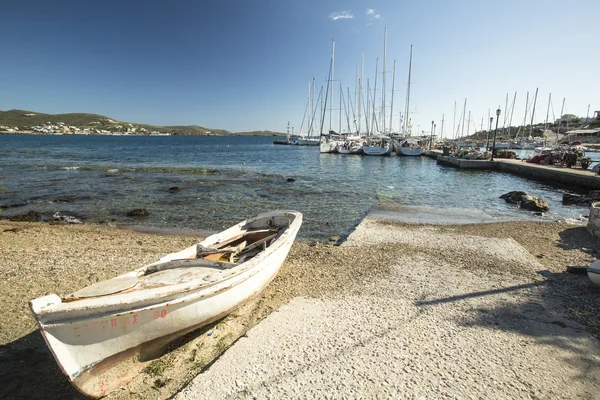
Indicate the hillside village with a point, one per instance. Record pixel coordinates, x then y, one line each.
27 122
60 128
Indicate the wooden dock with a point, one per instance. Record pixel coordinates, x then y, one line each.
574 176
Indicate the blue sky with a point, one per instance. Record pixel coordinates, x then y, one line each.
246 65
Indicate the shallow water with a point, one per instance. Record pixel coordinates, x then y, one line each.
226 179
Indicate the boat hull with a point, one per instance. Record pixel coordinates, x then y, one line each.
357 150
94 352
593 272
308 142
376 150
410 151
328 146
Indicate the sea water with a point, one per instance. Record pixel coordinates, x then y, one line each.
218 181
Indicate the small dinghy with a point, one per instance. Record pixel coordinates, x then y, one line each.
95 332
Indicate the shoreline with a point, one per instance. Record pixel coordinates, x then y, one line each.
38 258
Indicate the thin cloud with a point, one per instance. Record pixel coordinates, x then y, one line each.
372 14
341 15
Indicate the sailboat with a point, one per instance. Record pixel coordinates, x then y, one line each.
329 142
378 145
308 139
287 140
408 146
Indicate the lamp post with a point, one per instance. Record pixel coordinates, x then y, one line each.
487 142
431 135
495 132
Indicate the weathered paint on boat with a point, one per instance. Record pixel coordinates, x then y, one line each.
94 339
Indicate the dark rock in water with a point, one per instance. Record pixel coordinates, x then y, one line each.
525 201
64 199
174 189
533 203
13 206
576 199
513 197
138 212
31 216
291 180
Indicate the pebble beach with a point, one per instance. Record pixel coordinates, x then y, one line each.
398 310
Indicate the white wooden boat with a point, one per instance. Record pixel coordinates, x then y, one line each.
96 332
594 272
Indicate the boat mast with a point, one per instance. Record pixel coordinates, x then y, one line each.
314 107
355 96
462 128
512 110
505 114
360 83
312 104
392 103
367 108
309 109
347 113
442 130
331 81
383 84
454 122
533 113
328 86
547 113
469 123
562 108
404 128
374 96
341 93
524 118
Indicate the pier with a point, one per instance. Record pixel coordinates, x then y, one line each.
574 176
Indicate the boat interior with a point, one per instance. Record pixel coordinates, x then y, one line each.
206 263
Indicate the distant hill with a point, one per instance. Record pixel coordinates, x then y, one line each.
259 133
29 118
25 120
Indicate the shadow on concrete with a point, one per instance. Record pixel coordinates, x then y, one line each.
477 294
560 311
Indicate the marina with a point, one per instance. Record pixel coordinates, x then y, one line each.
211 182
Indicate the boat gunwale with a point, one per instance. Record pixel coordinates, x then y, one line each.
62 312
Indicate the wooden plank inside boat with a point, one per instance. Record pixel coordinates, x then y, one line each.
104 288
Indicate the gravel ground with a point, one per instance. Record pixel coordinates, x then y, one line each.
461 310
457 316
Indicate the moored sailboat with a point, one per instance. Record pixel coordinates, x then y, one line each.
409 147
378 145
